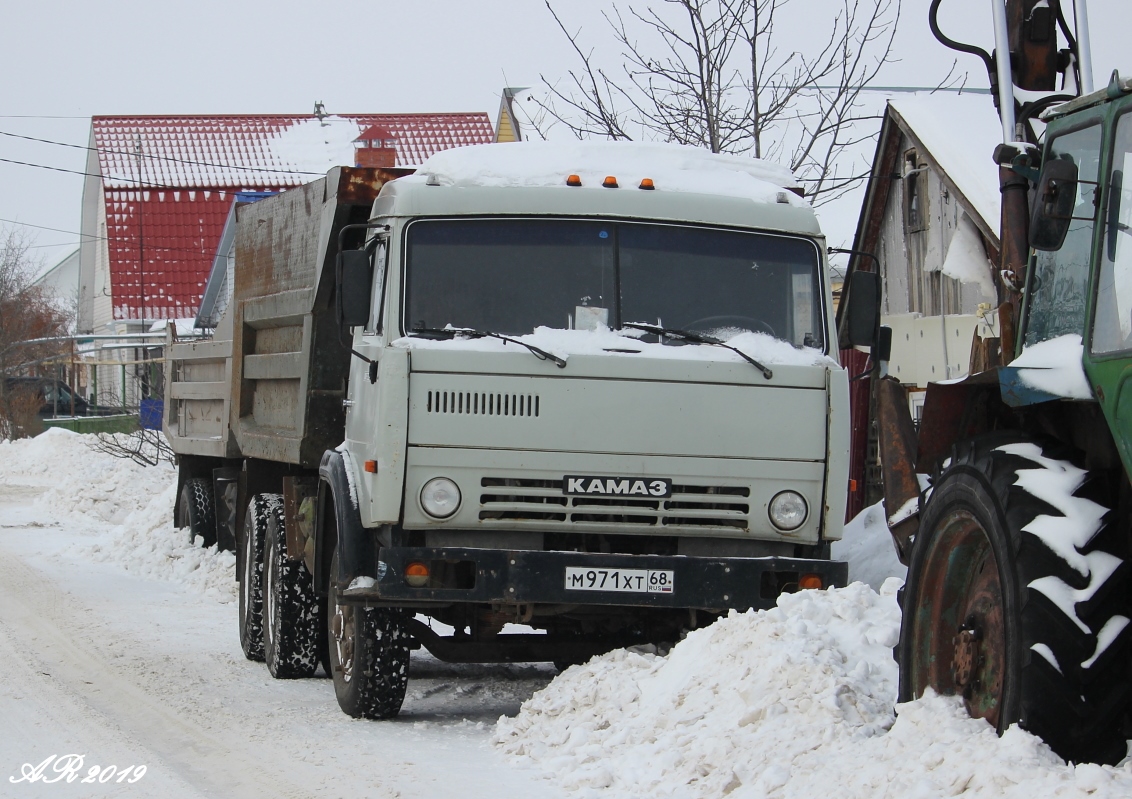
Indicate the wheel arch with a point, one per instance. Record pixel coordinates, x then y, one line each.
339 526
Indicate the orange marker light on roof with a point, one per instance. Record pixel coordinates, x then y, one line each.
370 466
573 180
646 184
610 182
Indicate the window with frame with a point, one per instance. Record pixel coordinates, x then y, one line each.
915 194
1112 321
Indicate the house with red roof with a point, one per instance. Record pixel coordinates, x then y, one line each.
160 188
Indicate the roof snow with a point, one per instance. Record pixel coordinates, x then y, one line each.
960 132
672 167
242 151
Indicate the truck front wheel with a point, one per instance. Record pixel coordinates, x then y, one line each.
1016 599
369 656
290 607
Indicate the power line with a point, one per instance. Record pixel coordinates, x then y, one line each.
160 157
91 236
87 174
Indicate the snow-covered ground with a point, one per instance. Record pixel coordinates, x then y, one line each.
118 642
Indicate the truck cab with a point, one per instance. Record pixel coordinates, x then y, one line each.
589 389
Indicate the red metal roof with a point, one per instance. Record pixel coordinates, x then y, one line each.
256 150
169 181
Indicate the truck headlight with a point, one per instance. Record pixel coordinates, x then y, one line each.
788 510
440 497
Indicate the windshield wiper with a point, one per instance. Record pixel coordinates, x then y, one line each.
697 338
452 332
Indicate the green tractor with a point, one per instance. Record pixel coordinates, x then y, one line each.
1019 588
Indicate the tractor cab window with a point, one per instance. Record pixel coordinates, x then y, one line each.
1112 322
1059 279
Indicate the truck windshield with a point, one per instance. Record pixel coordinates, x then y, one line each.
513 275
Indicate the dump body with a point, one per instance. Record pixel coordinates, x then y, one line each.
271 381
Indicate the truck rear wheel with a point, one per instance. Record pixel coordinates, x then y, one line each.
290 607
251 579
195 510
1017 601
369 656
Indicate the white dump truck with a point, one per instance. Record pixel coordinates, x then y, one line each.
591 389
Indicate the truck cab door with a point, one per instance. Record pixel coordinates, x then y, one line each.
1108 360
377 404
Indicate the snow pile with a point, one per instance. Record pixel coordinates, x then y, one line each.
732 707
672 167
1054 366
764 348
796 701
125 507
866 545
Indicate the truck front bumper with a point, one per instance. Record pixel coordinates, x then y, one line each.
458 575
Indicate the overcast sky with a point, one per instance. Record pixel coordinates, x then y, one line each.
64 61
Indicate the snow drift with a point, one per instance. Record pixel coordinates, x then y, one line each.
796 701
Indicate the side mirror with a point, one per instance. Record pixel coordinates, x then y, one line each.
1053 205
355 284
1113 227
863 310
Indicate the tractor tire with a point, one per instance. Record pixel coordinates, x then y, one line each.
260 508
369 656
1017 597
290 607
195 510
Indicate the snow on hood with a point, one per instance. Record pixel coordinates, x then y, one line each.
564 343
1054 366
672 167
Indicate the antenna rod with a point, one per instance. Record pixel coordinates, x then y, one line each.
1002 67
1084 48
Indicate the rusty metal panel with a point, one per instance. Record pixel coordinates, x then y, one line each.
360 185
954 411
897 439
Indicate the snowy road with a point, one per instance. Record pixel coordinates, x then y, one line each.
118 642
130 671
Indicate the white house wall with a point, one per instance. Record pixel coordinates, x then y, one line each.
911 261
102 305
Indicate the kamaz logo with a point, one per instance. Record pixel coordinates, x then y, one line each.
617 486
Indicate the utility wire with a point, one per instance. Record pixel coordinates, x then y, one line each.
159 157
92 237
87 174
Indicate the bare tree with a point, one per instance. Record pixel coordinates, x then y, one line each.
713 74
143 446
29 319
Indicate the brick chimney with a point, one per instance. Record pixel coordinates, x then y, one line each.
376 147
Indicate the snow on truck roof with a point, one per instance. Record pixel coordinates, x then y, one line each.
670 167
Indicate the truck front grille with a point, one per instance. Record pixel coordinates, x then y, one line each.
480 403
520 499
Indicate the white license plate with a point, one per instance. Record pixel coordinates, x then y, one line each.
629 581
